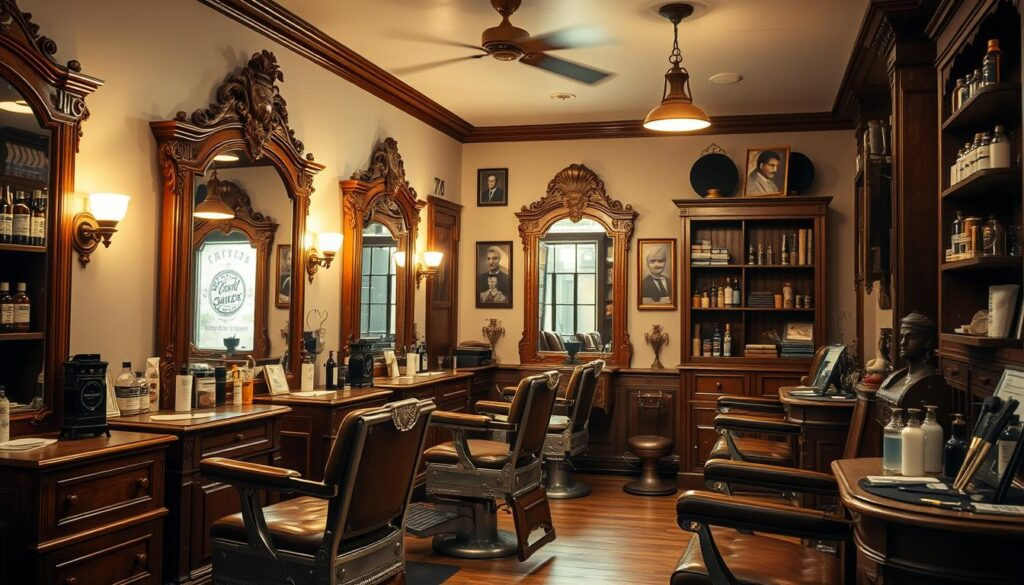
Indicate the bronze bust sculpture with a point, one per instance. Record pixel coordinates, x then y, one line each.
920 382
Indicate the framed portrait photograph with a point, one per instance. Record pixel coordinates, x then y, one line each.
767 172
277 382
491 187
656 278
493 275
283 277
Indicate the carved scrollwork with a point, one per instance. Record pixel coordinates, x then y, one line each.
386 163
576 187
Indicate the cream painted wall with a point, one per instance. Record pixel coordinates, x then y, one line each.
160 57
647 173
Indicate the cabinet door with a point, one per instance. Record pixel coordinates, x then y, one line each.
652 413
768 384
702 435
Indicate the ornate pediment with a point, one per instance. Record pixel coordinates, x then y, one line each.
386 163
251 97
575 188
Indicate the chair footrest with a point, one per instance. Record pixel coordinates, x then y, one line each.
423 519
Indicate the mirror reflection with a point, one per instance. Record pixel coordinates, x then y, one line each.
575 278
242 259
24 221
378 289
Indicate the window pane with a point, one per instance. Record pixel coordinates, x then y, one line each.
564 288
378 318
394 287
586 258
391 320
364 291
565 258
586 287
564 319
380 261
364 319
585 318
366 259
378 289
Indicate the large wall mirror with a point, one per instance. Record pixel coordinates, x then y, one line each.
381 216
576 238
235 199
42 108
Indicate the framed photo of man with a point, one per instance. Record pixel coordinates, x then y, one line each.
492 187
767 172
283 276
656 278
493 283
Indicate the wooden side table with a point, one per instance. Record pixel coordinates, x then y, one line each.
825 424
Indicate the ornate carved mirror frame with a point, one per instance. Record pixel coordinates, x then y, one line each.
260 230
574 193
251 116
56 93
379 194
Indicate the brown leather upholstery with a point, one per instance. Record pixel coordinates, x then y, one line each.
586 341
756 423
460 418
553 341
649 445
755 450
557 423
296 525
759 560
770 477
483 453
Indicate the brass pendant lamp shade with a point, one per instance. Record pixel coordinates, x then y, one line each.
677 112
213 207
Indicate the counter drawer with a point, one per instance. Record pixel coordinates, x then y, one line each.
237 441
984 380
709 385
955 373
90 496
132 555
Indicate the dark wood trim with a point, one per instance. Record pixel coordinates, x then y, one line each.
442 314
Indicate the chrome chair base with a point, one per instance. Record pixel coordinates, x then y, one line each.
484 541
559 482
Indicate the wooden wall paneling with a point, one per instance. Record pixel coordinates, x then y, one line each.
443 235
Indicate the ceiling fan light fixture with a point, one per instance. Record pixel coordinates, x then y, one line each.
676 112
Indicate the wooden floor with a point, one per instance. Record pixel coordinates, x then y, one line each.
606 537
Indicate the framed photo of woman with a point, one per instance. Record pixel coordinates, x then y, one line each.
656 278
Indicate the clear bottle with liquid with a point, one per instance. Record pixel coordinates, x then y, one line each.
727 342
956 447
126 391
6 307
142 385
912 445
932 441
37 226
892 445
716 342
6 216
21 222
22 309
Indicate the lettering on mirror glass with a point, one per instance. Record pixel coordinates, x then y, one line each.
226 292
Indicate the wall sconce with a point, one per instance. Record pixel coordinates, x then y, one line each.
425 269
329 244
98 224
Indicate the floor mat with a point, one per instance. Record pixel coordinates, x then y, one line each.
428 573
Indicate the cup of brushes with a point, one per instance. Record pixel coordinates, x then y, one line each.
992 419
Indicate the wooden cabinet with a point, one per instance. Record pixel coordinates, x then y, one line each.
308 431
249 433
84 511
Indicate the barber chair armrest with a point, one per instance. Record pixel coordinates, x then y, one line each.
746 423
253 475
757 515
492 407
459 419
773 477
508 392
750 404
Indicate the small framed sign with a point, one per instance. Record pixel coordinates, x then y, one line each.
277 382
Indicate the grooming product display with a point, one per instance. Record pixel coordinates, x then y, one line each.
183 390
892 445
932 441
912 445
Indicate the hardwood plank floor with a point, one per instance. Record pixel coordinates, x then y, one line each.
606 537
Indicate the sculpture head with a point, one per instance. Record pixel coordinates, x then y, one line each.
917 338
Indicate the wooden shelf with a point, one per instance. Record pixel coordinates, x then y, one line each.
21 336
22 248
716 308
765 266
992 105
988 185
983 262
976 341
774 310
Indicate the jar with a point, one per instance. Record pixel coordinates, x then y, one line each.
993 238
787 295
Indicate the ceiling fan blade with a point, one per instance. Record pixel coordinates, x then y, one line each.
565 68
433 64
425 38
570 38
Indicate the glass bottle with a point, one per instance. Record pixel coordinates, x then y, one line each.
21 219
992 64
785 252
695 341
330 368
126 391
958 94
912 445
892 445
5 416
695 301
999 149
727 342
956 447
993 237
220 385
721 297
142 388
713 296
716 343
968 89
750 254
769 257
236 385
976 80
38 226
705 347
983 151
6 307
1007 443
760 253
957 229
705 301
22 309
932 441
6 216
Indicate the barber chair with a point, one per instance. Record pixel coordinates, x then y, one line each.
466 476
344 530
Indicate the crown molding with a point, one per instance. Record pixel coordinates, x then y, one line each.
282 26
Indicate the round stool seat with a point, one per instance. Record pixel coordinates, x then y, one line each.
650 448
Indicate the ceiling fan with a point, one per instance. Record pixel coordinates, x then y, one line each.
507 42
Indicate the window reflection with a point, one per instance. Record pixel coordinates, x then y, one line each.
379 286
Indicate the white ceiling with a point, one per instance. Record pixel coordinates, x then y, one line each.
791 53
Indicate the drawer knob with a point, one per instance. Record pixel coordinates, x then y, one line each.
141 483
140 560
71 581
71 501
954 371
718 385
239 437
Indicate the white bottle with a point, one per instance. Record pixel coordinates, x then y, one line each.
912 439
933 444
999 150
236 386
308 371
5 417
411 361
183 391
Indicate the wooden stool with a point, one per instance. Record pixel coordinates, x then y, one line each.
650 448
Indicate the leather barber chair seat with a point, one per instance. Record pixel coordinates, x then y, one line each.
466 476
344 530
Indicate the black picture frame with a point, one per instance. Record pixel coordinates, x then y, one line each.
502 281
484 196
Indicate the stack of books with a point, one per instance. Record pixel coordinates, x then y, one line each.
761 350
703 254
761 300
796 349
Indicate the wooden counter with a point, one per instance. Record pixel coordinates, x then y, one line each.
825 423
249 433
902 543
308 431
87 510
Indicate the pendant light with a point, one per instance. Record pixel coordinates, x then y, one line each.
213 207
677 112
